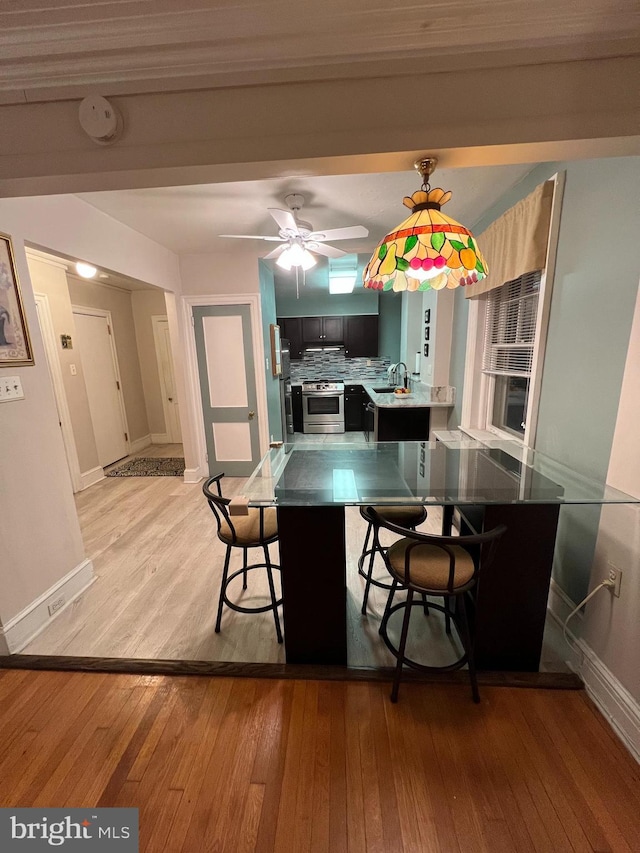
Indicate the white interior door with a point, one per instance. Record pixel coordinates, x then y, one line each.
224 348
167 381
93 336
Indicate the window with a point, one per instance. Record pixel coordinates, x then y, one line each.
507 330
509 341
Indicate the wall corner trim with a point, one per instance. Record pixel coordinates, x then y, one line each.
137 444
88 478
26 625
612 699
193 475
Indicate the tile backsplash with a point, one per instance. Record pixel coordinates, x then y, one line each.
334 365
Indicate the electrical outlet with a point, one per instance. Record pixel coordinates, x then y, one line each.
615 575
56 605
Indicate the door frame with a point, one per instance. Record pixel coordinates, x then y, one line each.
103 312
49 338
193 376
156 319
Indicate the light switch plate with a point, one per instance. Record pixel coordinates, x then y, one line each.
10 389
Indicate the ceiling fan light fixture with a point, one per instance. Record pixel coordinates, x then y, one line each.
429 250
295 255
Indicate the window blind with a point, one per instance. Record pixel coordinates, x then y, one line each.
510 326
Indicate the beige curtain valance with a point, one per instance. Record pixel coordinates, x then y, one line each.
516 243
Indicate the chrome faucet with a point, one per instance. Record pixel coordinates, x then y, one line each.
401 376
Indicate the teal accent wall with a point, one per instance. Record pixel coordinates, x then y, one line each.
314 303
268 304
594 292
390 326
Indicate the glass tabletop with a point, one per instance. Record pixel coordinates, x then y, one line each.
386 473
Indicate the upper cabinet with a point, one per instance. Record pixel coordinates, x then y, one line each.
361 336
291 329
358 334
323 330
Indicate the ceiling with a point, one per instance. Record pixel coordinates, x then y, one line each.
189 219
61 51
50 49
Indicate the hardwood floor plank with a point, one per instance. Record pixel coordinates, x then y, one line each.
270 761
391 829
265 765
196 762
250 821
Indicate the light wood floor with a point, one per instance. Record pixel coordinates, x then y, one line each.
295 766
158 564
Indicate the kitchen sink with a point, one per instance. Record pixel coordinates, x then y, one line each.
389 389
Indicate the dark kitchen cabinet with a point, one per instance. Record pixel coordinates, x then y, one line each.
322 330
354 403
361 336
402 424
291 329
296 407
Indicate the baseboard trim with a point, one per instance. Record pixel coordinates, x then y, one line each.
26 625
192 475
89 478
160 438
140 443
611 698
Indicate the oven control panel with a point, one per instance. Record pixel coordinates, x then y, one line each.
322 385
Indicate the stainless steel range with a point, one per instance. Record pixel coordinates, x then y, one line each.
322 406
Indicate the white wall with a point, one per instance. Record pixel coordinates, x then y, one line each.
146 304
210 274
612 625
39 531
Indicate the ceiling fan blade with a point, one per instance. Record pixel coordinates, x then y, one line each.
349 233
284 218
252 237
275 252
328 251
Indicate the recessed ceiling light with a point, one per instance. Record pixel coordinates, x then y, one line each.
85 270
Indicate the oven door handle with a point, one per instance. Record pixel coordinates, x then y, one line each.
323 393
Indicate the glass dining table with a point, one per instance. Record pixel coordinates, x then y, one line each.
486 483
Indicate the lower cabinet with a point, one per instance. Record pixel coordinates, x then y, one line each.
296 406
354 402
402 424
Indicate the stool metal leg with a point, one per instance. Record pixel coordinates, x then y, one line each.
387 607
403 645
244 567
273 592
223 587
374 546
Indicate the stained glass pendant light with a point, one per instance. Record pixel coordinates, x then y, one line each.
427 250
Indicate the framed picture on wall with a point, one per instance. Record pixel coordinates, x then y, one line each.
15 345
427 315
276 354
426 332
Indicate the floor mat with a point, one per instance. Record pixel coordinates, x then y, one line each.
150 466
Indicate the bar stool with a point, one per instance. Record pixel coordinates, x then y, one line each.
404 516
446 566
258 529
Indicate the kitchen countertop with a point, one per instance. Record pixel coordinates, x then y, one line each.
417 399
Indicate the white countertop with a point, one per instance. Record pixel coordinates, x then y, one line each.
417 399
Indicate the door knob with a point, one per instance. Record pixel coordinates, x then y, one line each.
252 415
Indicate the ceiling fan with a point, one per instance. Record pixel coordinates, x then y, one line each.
298 240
